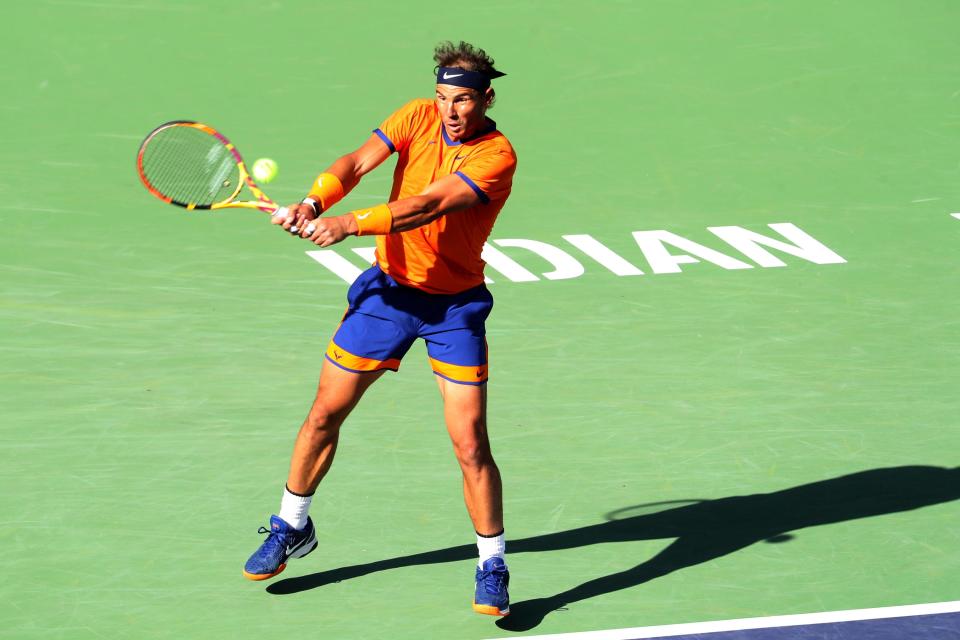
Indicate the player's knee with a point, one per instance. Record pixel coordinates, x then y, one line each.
473 454
322 418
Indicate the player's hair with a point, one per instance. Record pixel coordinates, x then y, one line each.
463 55
466 56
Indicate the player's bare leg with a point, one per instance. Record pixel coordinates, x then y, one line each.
465 412
291 533
338 393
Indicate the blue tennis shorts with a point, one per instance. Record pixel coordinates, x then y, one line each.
384 318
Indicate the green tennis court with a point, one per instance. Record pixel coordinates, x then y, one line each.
698 416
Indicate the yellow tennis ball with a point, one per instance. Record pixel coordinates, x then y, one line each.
264 170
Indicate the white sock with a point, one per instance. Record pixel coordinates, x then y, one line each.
294 508
490 547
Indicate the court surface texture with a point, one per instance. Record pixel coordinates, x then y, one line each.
724 350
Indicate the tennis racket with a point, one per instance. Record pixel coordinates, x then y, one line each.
194 166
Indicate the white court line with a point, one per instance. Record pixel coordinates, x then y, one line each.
742 624
956 215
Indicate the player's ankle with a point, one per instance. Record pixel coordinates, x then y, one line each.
490 546
294 508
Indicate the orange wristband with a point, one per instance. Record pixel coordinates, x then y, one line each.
373 222
327 191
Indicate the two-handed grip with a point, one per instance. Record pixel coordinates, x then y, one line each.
283 212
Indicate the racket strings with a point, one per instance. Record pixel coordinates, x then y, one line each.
190 166
181 173
196 168
206 169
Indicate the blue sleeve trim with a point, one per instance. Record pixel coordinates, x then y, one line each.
473 185
386 140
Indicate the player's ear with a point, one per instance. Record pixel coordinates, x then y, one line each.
488 97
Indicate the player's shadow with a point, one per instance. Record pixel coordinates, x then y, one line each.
703 530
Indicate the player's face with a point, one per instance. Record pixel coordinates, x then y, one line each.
462 110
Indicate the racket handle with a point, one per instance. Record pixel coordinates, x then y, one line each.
281 213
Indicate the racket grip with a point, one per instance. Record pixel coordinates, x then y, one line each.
281 213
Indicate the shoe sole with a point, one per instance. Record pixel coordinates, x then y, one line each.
490 610
299 553
263 576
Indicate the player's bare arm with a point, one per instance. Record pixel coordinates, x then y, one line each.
446 195
348 169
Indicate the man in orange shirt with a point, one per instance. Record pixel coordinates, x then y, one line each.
453 176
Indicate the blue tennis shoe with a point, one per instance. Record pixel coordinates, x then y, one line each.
491 596
282 543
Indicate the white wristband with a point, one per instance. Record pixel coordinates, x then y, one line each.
312 203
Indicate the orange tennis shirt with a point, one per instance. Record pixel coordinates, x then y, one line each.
444 255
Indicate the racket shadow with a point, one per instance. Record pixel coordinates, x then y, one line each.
703 531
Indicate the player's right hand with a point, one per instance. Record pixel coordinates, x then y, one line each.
298 215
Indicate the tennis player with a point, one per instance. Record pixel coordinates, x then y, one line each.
453 176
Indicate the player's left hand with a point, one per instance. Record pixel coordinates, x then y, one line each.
324 232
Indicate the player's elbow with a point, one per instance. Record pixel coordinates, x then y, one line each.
359 164
364 165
